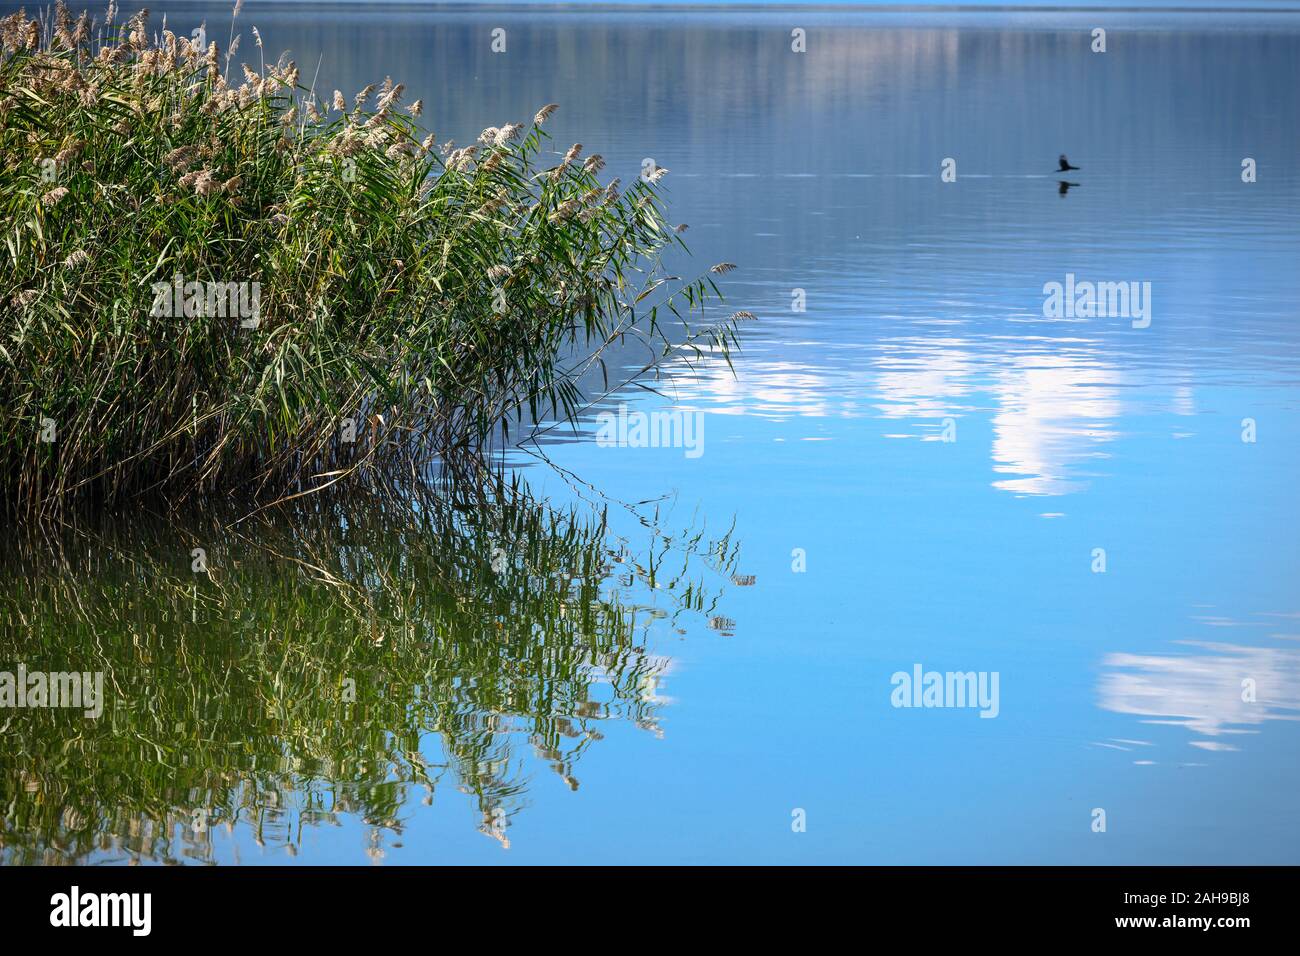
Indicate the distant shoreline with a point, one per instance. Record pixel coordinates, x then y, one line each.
750 6
1215 8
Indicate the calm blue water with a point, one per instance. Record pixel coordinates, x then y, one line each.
820 172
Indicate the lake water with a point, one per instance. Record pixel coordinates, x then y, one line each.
652 655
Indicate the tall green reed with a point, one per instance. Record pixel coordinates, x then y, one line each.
400 302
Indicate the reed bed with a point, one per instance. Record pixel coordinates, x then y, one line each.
218 280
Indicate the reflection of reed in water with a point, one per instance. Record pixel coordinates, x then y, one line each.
334 661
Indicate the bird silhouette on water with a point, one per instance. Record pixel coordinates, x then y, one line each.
1063 187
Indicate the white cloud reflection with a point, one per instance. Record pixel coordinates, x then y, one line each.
1052 402
1054 413
1203 692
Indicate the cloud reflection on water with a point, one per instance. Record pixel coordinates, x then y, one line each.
1204 692
1052 405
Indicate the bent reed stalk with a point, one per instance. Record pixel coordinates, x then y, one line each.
252 290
